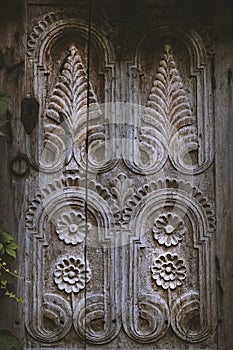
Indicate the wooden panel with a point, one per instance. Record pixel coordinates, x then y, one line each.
119 225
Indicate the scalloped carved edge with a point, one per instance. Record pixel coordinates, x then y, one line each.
91 309
58 310
48 20
182 311
64 183
38 199
80 16
178 185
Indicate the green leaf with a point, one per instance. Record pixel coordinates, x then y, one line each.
12 245
10 294
11 252
5 237
19 300
3 284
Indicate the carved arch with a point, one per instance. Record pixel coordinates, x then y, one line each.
49 31
192 40
53 24
178 197
52 29
198 77
46 304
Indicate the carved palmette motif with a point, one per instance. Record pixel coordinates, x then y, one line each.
165 129
168 117
130 255
169 127
69 110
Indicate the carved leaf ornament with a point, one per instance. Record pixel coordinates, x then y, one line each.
71 104
168 114
168 129
69 98
169 126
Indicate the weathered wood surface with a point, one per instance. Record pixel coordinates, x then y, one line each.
129 240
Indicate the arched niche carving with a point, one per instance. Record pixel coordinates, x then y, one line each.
186 77
160 211
54 301
49 45
55 33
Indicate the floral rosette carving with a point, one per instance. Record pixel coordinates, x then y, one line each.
72 274
168 229
168 271
72 227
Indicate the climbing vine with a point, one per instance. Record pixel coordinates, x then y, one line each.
7 277
7 245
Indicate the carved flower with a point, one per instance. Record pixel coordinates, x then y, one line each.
71 227
72 274
168 229
168 271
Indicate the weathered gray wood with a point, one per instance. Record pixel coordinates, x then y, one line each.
224 129
12 79
131 244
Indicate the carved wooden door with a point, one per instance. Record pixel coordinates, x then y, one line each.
120 225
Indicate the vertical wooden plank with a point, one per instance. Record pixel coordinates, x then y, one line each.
224 184
13 193
12 46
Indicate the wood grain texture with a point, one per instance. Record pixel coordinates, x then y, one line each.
155 271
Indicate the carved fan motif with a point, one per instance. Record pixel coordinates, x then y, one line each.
115 252
72 104
168 111
70 100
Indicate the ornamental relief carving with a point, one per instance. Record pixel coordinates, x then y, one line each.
168 125
168 229
144 137
169 272
168 113
170 268
63 268
72 274
72 228
173 86
120 242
